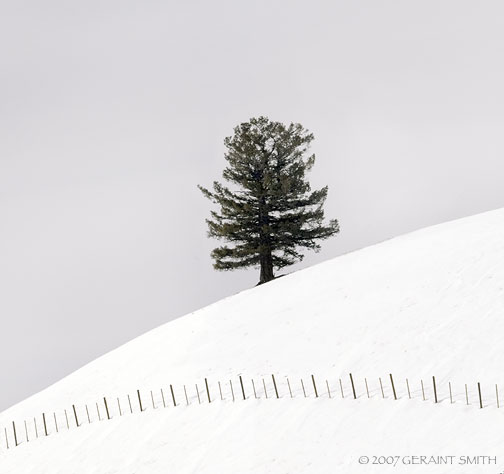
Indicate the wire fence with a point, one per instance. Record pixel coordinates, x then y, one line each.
48 424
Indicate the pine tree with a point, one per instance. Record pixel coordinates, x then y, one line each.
272 212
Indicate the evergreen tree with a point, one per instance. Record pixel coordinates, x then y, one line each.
272 212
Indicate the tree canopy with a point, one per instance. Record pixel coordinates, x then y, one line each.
271 213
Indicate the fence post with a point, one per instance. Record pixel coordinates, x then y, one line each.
497 395
56 422
253 388
381 386
451 397
314 386
15 433
353 387
232 391
173 395
242 388
407 385
26 432
275 385
393 387
423 390
6 438
479 392
328 389
152 399
140 401
435 389
75 415
45 424
289 385
162 396
106 407
265 391
36 430
220 391
467 395
66 418
129 402
186 397
302 385
208 391
119 406
367 388
341 387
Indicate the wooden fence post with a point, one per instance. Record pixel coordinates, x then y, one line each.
75 415
451 397
242 388
497 395
140 401
275 385
220 391
381 386
314 386
35 423
232 391
15 433
152 400
6 438
197 392
119 406
45 424
173 395
393 387
208 391
26 432
435 389
289 385
407 385
341 387
479 392
265 391
106 407
163 398
367 388
186 397
328 389
423 390
302 385
66 418
253 388
467 395
88 417
56 422
353 387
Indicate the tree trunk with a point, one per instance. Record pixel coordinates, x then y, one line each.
266 268
265 256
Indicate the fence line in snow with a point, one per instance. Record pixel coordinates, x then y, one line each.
50 423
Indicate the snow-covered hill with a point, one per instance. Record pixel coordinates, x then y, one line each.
427 303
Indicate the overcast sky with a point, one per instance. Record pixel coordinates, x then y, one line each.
111 112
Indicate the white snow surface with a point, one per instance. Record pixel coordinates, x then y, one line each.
429 303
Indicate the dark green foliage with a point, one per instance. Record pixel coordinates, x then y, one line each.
272 212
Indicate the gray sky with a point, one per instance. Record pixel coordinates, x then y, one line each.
112 111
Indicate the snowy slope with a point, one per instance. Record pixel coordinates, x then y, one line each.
427 303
